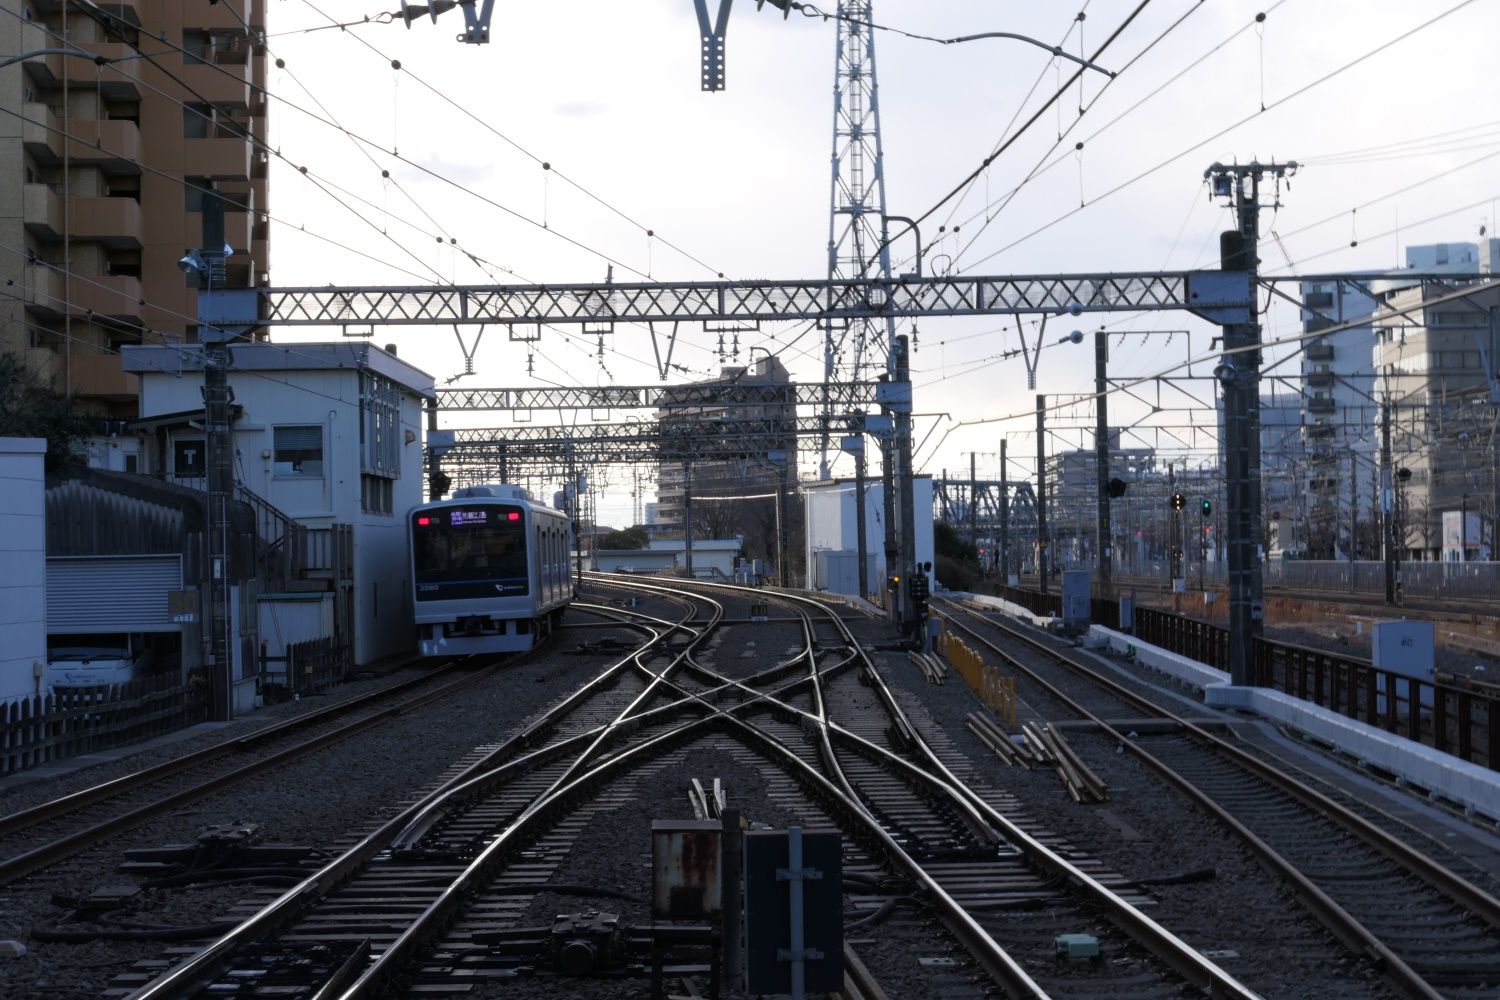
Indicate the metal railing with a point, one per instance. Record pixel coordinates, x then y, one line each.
1447 717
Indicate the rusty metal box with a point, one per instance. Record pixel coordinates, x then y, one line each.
686 868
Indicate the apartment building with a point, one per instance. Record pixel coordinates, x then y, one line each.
103 174
1340 407
745 400
1436 367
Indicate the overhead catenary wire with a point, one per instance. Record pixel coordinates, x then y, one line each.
1273 105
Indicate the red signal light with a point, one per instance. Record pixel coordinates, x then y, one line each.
424 521
513 516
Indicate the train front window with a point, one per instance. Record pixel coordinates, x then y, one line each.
479 546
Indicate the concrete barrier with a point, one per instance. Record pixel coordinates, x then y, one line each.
1475 788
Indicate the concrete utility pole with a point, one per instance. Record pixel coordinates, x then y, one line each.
855 445
687 515
1239 375
899 395
1171 532
1041 491
974 504
888 507
1101 456
1353 514
1388 500
1004 517
207 264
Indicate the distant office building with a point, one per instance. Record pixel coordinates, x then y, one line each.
1341 408
752 402
103 169
1436 367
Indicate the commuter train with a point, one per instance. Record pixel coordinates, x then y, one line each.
490 571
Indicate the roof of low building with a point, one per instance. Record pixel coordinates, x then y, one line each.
173 360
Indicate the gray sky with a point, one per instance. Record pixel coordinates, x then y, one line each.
608 94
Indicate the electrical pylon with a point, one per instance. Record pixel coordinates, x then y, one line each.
856 221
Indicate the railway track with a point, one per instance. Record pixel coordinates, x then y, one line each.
60 828
434 896
1431 932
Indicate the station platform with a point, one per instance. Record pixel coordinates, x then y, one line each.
1470 787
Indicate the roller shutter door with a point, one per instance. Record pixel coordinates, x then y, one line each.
124 594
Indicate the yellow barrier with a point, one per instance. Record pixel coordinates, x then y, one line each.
996 691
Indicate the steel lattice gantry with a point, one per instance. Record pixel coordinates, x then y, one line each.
1216 295
844 396
698 441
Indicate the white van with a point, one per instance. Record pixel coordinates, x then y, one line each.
71 667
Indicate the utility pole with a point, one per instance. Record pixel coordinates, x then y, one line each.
207 265
1101 457
1041 490
1239 376
974 505
1171 533
855 445
1388 500
888 508
1004 517
687 515
1353 515
899 396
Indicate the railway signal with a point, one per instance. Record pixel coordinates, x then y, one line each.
1206 508
1178 501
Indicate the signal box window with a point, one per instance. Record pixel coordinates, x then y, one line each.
298 452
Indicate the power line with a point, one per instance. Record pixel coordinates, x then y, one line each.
1226 130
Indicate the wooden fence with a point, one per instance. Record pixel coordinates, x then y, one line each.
67 723
307 667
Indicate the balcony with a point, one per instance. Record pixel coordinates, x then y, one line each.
1320 404
114 296
1318 300
1319 380
115 222
38 134
113 144
219 82
102 376
41 290
41 211
116 83
221 159
1319 352
229 15
45 70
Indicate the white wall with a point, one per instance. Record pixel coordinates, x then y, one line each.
23 565
329 399
832 522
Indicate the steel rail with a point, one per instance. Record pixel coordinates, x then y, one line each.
1338 920
190 974
71 843
1158 940
379 972
17 821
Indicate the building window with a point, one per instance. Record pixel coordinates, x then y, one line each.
298 451
380 435
189 458
375 494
